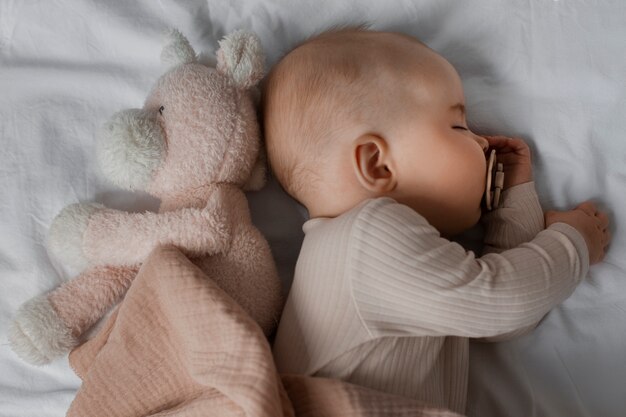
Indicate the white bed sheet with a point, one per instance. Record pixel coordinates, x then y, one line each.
551 72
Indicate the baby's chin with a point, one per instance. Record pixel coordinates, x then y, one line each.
470 219
478 212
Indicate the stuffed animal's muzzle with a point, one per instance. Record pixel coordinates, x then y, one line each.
131 147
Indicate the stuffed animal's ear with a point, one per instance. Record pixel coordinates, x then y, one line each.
241 58
177 50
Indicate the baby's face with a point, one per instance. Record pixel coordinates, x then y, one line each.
400 132
440 165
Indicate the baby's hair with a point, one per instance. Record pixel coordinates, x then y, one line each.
296 110
336 29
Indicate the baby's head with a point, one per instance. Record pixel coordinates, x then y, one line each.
353 114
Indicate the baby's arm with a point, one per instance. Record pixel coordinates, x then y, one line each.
407 279
519 217
517 220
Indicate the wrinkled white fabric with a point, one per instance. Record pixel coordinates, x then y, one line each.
551 72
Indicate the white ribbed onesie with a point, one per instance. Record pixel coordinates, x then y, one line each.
380 299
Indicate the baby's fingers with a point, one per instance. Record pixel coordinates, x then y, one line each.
607 239
588 207
497 141
504 143
604 220
503 140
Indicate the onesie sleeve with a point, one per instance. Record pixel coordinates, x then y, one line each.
407 280
518 219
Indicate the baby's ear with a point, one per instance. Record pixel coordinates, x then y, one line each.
241 58
373 165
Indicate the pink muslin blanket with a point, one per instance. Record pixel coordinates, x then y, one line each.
180 346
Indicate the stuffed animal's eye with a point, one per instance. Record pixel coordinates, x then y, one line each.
161 109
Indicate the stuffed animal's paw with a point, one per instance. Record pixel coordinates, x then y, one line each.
37 334
65 238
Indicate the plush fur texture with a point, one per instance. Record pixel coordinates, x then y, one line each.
257 177
177 50
66 234
111 284
37 335
241 59
195 144
131 147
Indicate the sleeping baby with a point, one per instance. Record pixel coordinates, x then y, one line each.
367 130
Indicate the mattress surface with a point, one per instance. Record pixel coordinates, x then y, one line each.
550 72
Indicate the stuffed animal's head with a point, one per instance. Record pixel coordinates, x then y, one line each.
198 125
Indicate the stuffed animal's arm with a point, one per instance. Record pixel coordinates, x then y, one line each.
91 234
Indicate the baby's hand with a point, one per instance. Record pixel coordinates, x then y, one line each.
590 222
514 154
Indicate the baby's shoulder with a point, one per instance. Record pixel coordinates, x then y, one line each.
372 220
384 222
386 211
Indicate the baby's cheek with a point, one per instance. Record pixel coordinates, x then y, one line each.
470 180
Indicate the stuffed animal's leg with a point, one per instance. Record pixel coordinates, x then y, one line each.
81 302
50 325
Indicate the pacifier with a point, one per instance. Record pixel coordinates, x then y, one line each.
495 182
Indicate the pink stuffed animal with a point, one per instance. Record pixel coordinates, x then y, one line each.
195 145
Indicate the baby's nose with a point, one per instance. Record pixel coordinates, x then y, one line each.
484 143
